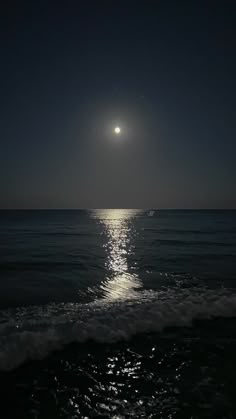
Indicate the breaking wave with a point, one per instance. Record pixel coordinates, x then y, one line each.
34 332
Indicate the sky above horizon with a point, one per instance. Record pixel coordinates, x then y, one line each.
163 71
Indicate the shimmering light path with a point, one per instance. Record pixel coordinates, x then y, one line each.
119 231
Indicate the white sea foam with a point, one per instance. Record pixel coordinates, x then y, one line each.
34 332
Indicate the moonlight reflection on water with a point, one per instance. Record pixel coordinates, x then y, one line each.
120 232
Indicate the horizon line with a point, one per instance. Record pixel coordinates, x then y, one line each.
126 208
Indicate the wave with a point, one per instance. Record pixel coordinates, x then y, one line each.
34 332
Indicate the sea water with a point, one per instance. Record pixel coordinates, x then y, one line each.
118 313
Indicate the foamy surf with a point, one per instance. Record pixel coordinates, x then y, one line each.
34 332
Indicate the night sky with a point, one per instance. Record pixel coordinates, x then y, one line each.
164 71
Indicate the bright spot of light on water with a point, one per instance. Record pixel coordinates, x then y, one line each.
120 232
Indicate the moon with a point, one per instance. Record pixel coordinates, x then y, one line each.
117 130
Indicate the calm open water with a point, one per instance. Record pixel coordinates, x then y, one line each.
118 314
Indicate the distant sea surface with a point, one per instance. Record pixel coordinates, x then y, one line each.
118 314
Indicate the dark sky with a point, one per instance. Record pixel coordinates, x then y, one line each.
164 71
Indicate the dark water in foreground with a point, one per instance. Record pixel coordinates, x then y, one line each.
118 314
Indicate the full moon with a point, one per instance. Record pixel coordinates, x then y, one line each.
117 130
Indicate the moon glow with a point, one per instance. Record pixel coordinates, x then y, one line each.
117 130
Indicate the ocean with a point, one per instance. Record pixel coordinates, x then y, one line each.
118 314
